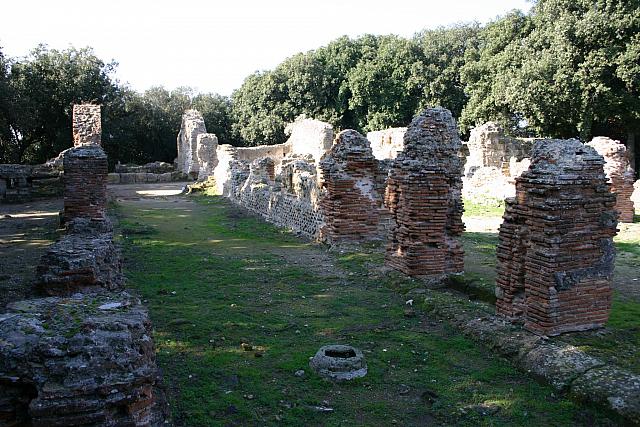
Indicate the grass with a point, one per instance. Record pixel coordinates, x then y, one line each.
214 278
471 208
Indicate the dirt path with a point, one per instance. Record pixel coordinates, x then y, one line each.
239 307
26 230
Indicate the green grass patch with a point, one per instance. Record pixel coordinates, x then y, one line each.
491 209
215 278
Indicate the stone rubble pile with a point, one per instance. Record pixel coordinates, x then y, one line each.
619 172
351 204
424 196
556 253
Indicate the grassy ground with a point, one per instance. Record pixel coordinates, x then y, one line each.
238 307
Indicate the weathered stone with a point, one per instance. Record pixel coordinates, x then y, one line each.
87 125
192 126
85 259
153 167
556 254
339 362
21 183
85 182
424 196
66 362
619 172
309 136
207 144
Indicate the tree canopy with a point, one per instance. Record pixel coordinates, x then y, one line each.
568 68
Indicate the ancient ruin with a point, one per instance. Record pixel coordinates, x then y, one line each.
206 146
424 196
387 143
192 126
493 163
21 183
352 204
145 174
85 182
619 172
87 124
84 356
556 254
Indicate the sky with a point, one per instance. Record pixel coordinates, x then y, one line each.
213 45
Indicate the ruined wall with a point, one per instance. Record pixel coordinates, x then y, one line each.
87 124
619 172
21 183
556 254
207 144
85 182
424 196
84 356
387 143
309 137
493 162
351 204
192 126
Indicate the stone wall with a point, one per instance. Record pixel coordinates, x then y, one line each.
309 137
556 254
207 144
424 196
386 144
87 124
192 126
21 183
352 204
619 172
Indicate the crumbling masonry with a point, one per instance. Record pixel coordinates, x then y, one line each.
424 196
83 356
619 172
556 254
87 125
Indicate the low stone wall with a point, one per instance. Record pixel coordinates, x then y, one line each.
145 178
21 183
153 167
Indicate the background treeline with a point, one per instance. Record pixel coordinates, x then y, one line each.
568 68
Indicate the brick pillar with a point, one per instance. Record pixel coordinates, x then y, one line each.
556 253
85 182
424 195
87 127
352 203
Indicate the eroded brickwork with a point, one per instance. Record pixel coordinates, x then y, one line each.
85 182
87 125
556 254
352 203
619 172
424 196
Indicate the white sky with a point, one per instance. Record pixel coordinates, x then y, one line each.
211 45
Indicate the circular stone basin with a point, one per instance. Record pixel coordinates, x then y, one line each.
339 362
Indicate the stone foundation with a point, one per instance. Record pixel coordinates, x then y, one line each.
619 172
22 183
84 360
556 254
424 196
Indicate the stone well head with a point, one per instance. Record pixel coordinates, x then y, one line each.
339 362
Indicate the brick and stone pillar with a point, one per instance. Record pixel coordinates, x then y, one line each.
619 172
352 203
424 195
87 126
85 182
556 253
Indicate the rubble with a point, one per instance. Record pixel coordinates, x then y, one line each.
556 253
